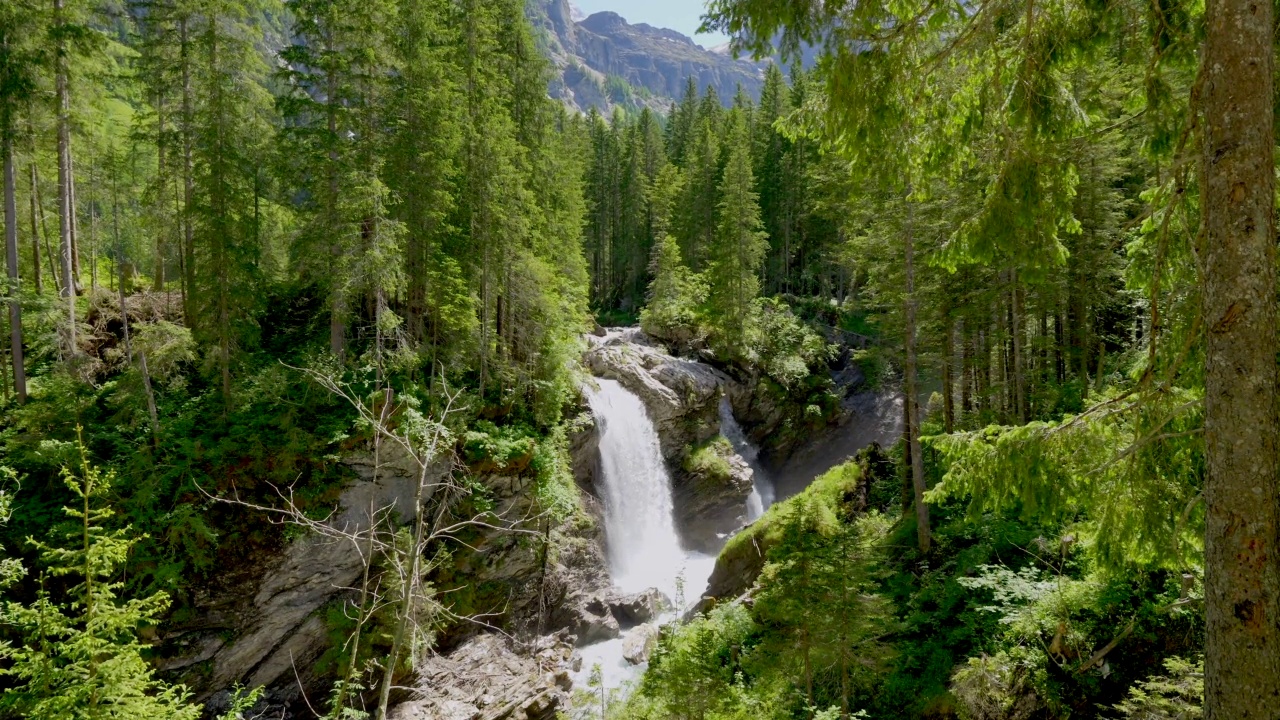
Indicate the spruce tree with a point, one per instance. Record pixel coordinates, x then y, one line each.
81 656
740 244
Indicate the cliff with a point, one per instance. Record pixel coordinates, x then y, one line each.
604 61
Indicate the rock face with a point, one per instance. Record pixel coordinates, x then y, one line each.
260 624
486 679
264 620
682 399
604 61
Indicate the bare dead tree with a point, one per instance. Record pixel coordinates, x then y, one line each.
396 559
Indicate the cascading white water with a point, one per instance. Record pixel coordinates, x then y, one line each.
762 492
640 535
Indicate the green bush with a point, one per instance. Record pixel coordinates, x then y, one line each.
709 462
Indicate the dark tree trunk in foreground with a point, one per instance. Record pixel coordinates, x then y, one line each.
911 393
1242 569
11 261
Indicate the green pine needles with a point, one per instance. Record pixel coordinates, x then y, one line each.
81 654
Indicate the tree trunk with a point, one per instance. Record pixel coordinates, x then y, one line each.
11 260
35 237
1242 567
65 210
337 301
948 382
75 217
158 278
966 368
909 388
188 180
1015 337
1059 337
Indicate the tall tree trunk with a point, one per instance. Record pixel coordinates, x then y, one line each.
35 237
1242 561
65 211
966 368
909 387
158 278
1015 337
1059 337
337 300
948 382
188 180
75 217
11 259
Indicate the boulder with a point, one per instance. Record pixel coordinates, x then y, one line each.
638 608
595 622
487 679
639 643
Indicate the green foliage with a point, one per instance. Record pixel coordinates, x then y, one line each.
489 448
1177 694
735 258
82 657
790 352
693 673
811 637
709 462
552 465
1136 475
674 296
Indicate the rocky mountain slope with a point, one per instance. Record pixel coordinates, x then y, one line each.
604 61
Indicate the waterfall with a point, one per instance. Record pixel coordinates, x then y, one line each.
640 536
762 493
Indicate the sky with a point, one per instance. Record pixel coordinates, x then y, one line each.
683 16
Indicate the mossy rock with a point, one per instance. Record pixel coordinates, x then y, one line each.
834 498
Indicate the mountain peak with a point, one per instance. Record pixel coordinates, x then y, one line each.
604 61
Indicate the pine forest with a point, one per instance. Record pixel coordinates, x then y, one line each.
490 360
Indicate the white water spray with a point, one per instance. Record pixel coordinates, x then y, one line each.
640 535
762 493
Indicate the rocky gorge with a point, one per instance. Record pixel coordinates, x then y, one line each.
547 590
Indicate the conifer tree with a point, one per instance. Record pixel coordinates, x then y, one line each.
675 293
680 124
736 257
228 126
18 64
81 657
697 225
423 116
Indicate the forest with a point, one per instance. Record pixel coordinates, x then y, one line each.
319 314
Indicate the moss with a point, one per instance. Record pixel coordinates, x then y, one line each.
709 461
832 494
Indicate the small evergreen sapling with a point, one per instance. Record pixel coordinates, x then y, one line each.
80 656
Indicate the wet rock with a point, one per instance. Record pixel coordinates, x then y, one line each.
711 498
487 679
595 622
638 608
639 643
